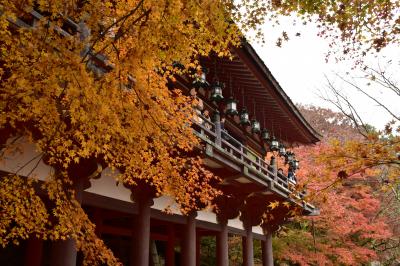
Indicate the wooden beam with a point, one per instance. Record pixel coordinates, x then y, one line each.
117 231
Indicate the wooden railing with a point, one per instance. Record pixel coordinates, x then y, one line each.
212 134
220 139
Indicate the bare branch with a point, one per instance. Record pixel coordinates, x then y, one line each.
369 96
104 33
381 79
348 110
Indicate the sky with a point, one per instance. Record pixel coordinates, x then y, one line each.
301 69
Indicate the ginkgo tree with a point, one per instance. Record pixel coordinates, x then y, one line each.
93 81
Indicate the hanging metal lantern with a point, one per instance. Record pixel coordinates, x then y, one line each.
274 145
200 80
294 164
265 135
282 150
231 106
289 156
244 117
178 65
255 126
216 91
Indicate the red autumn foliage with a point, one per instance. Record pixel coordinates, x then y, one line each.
348 223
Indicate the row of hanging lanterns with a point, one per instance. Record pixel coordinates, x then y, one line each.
216 89
232 105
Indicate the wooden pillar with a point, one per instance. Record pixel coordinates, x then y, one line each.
170 252
222 244
141 237
64 252
198 249
217 123
248 253
98 221
34 251
266 246
274 167
189 241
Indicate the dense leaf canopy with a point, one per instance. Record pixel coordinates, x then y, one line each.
101 88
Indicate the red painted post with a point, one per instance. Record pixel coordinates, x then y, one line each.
141 244
170 252
267 253
222 244
34 251
189 241
248 246
63 252
98 221
198 249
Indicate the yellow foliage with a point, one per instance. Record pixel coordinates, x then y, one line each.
273 204
99 88
103 96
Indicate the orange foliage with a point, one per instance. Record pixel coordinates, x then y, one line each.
349 223
97 89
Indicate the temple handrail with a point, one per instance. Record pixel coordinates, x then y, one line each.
258 162
239 151
279 180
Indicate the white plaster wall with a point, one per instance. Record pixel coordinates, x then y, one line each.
26 161
163 202
237 223
106 185
207 215
258 230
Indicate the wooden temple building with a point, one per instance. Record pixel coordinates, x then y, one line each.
243 114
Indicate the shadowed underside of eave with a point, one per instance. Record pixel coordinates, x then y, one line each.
253 84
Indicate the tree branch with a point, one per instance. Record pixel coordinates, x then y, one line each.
369 96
